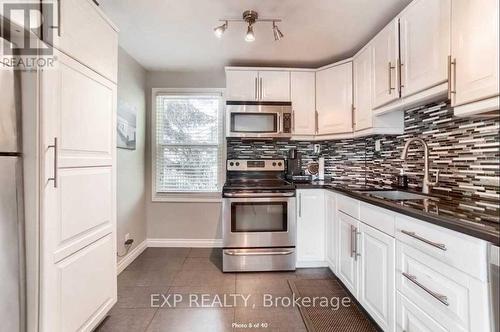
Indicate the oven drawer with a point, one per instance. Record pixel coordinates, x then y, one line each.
261 259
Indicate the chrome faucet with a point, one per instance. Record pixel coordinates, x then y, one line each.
425 183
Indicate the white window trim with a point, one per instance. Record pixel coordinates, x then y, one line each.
214 197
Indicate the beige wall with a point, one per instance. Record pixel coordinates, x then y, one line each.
181 220
131 186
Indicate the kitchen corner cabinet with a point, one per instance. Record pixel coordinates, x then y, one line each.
84 33
474 53
257 85
334 99
303 97
310 228
385 65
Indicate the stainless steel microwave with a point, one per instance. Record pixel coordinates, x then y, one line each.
258 119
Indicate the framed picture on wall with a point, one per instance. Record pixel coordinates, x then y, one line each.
126 125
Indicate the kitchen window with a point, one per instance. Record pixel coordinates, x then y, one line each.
187 145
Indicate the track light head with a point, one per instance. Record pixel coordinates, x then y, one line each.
219 31
250 36
277 33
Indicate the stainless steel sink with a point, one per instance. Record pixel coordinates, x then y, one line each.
395 195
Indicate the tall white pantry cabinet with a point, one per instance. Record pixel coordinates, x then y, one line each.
77 103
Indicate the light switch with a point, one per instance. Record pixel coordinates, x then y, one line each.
377 145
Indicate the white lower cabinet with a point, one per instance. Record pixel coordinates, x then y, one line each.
404 283
310 228
376 275
347 267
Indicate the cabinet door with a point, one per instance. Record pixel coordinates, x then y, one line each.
347 269
474 48
363 117
376 280
425 45
411 318
303 94
274 85
85 34
385 55
334 99
242 85
78 109
310 226
331 230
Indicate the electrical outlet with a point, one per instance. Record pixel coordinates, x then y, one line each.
377 145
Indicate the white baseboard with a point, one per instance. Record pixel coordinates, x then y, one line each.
311 264
131 256
189 243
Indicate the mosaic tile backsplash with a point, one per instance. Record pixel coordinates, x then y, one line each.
466 151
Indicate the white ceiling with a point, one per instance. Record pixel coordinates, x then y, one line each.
178 35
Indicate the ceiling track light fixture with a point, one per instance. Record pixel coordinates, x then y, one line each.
250 17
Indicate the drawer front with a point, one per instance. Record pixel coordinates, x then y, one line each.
410 318
459 250
348 205
378 218
440 290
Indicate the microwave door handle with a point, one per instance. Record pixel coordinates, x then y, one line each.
279 123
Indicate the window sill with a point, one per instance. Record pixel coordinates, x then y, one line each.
187 198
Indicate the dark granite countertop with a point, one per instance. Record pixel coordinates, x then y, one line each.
475 217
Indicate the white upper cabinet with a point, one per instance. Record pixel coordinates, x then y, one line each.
310 227
84 33
425 45
303 96
274 85
253 85
362 66
334 99
385 60
474 50
242 85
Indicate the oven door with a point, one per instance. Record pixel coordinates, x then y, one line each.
259 222
254 121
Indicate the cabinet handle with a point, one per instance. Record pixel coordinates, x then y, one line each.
54 146
261 89
400 67
391 67
451 76
441 298
300 205
429 242
353 118
59 24
256 88
316 119
353 240
293 121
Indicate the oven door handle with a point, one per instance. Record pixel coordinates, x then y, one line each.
257 253
252 195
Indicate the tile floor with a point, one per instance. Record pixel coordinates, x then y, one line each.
197 271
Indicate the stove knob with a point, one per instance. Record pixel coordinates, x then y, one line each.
237 164
231 164
279 164
274 164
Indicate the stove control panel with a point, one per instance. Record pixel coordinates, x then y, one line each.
255 165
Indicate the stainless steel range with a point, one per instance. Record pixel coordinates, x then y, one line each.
259 223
